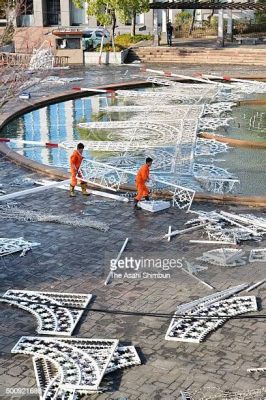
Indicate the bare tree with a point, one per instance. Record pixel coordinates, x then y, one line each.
12 9
20 72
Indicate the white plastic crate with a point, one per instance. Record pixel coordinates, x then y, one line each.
154 206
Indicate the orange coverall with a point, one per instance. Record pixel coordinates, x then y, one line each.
75 162
141 178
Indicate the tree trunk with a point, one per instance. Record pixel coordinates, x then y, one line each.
113 22
193 21
133 24
210 17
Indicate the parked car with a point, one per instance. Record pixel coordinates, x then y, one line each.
92 37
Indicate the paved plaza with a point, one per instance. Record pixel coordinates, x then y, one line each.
77 260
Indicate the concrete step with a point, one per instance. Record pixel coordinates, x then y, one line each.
200 55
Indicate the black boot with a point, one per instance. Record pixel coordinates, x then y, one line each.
136 204
147 198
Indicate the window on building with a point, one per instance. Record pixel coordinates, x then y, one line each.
68 43
140 19
26 7
53 12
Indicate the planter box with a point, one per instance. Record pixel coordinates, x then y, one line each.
118 57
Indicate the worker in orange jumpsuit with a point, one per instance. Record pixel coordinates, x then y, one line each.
141 179
75 162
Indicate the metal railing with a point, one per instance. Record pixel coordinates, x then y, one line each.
23 60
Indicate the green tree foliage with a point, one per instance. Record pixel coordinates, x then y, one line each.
107 11
128 10
183 17
183 21
103 10
260 16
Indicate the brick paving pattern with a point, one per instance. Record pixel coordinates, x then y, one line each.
76 260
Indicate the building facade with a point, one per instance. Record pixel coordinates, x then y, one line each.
49 13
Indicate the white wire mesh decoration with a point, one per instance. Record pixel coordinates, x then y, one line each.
104 175
216 109
11 246
209 147
210 171
216 185
219 234
50 309
257 255
249 87
212 124
113 178
66 368
186 94
216 393
254 222
42 58
178 109
81 363
209 313
59 80
226 257
48 376
225 229
162 160
25 215
157 129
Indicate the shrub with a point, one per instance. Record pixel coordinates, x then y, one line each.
182 20
109 47
126 40
260 17
241 25
214 22
7 35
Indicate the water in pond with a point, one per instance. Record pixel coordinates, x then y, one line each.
57 123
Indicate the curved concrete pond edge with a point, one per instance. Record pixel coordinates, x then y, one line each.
254 201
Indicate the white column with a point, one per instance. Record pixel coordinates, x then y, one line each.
171 15
65 12
230 25
155 28
164 20
220 38
38 12
86 13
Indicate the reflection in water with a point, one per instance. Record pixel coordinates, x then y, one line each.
54 124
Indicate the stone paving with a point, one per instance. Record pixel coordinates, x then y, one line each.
77 260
